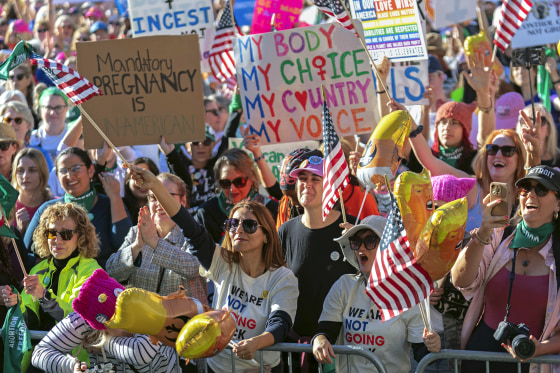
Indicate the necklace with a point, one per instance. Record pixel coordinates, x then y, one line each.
527 260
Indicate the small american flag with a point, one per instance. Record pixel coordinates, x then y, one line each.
76 87
335 168
396 281
222 62
335 9
510 19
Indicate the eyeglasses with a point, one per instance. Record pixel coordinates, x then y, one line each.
9 120
65 234
216 112
370 242
152 197
17 76
57 109
451 123
507 150
250 226
40 31
238 182
206 142
115 23
75 169
524 188
5 145
84 39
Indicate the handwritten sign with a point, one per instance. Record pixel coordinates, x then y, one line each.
280 76
149 89
287 13
407 82
175 17
392 28
541 27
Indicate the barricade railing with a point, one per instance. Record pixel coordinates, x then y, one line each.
488 357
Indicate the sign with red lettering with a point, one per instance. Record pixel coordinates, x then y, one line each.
286 15
280 76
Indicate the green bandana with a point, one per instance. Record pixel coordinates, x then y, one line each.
531 237
227 206
86 200
450 155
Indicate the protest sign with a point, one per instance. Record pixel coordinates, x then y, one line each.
243 11
542 26
450 12
280 76
392 28
152 86
286 15
407 82
275 154
62 2
175 17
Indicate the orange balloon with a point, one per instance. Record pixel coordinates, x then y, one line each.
441 239
479 44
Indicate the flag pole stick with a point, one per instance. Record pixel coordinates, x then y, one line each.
19 257
362 206
232 18
367 52
109 142
494 51
272 20
343 210
424 318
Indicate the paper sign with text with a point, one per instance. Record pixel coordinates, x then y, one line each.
152 86
392 28
450 12
286 15
175 17
542 26
280 76
407 82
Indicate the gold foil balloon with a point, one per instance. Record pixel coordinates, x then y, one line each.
206 334
479 44
141 311
384 149
440 241
415 198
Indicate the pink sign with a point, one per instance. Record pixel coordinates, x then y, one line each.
287 13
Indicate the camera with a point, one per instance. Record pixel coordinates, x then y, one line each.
519 337
528 57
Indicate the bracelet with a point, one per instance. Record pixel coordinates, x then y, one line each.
485 109
416 132
556 82
477 237
259 158
380 92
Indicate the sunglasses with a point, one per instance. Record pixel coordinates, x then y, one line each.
65 234
214 111
9 120
5 145
250 226
84 39
40 31
524 188
507 150
206 142
238 182
152 197
17 76
370 242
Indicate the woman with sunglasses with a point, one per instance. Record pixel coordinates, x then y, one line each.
548 135
107 213
21 78
522 260
155 255
347 304
249 274
66 239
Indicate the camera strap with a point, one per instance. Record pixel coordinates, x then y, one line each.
511 278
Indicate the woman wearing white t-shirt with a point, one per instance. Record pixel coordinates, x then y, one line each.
350 317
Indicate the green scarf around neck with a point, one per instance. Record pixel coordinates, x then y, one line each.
227 206
86 200
531 237
450 155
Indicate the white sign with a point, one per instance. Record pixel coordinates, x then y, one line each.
542 26
407 82
175 17
450 12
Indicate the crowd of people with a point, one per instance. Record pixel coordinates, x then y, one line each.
218 223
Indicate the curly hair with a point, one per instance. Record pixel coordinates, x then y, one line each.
272 253
88 243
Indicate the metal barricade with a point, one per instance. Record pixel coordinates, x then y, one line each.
488 357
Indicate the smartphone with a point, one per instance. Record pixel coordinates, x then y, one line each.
500 191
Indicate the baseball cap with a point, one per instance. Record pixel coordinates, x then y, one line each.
313 164
547 176
434 64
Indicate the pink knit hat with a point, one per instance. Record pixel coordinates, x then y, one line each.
449 188
97 299
20 26
507 110
458 111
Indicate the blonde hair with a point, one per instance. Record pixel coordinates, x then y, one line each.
238 159
88 243
39 159
550 146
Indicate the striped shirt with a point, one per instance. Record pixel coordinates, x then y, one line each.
135 354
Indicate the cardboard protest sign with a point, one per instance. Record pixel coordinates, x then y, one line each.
286 15
175 17
275 154
542 26
280 75
407 82
392 28
152 86
450 12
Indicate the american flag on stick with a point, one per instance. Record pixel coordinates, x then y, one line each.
335 9
396 281
76 87
510 19
222 61
335 168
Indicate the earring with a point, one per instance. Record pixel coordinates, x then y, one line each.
555 215
519 212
